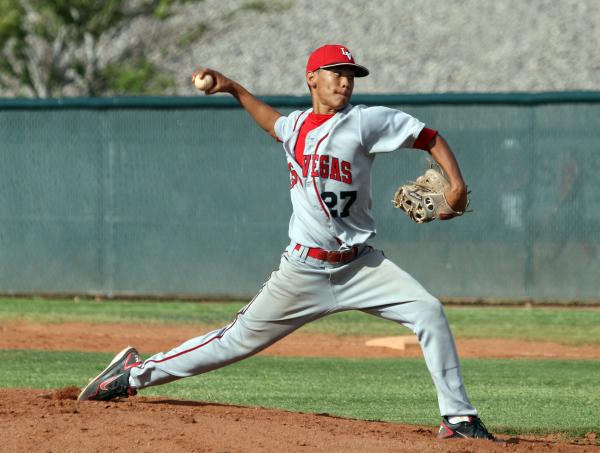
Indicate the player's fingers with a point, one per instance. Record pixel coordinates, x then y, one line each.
203 72
206 80
447 216
219 84
196 74
215 88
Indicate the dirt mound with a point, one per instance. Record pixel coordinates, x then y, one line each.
35 420
66 393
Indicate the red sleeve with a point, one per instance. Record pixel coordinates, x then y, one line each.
424 139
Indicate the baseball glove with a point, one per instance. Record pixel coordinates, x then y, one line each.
423 200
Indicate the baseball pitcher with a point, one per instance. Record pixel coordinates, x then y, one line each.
328 266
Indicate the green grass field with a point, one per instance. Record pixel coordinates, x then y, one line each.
513 396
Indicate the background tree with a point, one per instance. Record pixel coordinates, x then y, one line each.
49 48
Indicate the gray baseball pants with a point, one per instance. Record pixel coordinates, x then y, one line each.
304 289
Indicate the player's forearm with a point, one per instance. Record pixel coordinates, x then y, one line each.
443 155
263 114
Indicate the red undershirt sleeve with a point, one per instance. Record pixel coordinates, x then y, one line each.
424 139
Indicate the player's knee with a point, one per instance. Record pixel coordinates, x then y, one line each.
431 311
249 341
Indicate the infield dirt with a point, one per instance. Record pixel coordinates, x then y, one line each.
36 420
151 338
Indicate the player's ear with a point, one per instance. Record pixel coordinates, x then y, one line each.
311 79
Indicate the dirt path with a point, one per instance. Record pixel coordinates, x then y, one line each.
150 339
36 420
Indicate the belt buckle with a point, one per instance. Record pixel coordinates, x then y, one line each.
349 254
333 257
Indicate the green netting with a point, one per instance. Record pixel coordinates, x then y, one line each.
179 196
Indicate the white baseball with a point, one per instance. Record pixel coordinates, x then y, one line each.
204 83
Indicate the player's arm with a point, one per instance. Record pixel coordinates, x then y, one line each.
263 114
456 195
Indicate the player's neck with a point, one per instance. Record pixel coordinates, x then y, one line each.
323 109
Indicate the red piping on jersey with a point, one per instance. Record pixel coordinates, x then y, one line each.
216 337
296 123
294 130
314 183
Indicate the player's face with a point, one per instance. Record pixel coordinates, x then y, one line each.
332 88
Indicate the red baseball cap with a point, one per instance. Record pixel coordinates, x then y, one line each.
332 55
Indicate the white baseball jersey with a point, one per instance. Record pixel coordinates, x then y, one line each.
331 190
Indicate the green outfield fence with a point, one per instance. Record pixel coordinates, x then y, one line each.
188 197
